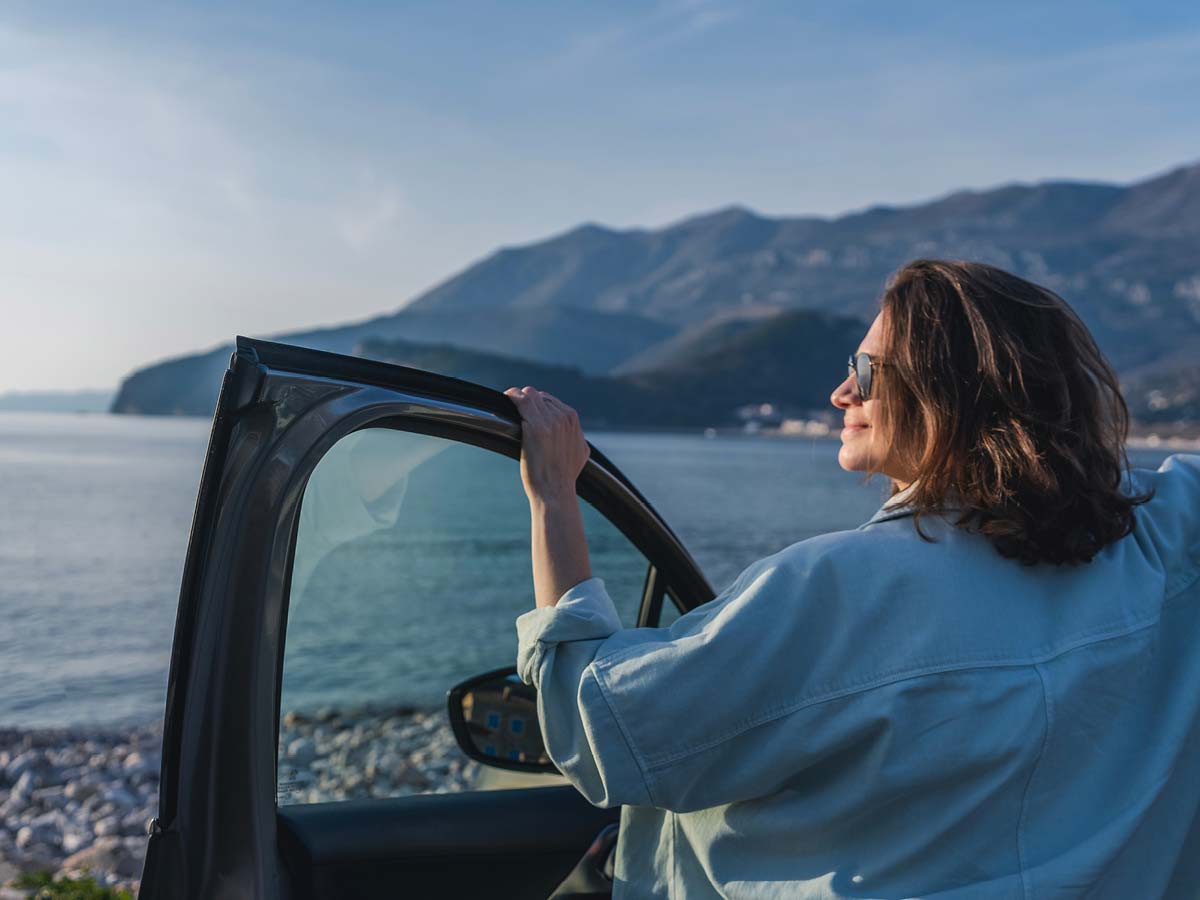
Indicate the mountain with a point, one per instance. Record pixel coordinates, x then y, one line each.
799 357
601 400
793 361
595 341
1124 256
633 300
697 340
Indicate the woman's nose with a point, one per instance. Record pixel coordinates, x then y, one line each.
845 394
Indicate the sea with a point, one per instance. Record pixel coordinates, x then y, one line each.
95 513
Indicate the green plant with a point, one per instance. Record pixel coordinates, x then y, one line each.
48 888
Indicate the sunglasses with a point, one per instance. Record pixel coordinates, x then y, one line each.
861 366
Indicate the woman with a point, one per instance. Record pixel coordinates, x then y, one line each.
989 689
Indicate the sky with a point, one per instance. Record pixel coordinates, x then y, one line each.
173 175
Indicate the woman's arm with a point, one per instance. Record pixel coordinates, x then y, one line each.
560 552
553 453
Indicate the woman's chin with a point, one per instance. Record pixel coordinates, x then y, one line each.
852 461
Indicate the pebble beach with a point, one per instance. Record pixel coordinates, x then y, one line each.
77 801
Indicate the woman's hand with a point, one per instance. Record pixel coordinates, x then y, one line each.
553 453
553 448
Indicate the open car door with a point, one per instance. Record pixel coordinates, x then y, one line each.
357 537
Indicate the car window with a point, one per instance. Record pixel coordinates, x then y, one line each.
669 613
412 561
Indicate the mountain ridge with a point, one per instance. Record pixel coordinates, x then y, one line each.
799 360
615 300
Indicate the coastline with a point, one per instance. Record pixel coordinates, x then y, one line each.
1182 435
80 799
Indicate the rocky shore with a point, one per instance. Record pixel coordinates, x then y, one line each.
77 801
355 754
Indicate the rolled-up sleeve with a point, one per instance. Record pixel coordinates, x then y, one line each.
556 647
592 717
584 612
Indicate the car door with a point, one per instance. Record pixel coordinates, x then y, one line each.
227 826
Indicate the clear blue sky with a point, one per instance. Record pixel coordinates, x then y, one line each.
171 176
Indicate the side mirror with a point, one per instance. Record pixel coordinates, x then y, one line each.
494 717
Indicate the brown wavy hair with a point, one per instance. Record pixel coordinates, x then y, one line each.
996 396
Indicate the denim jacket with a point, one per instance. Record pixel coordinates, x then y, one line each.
864 714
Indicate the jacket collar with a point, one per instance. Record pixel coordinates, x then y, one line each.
901 497
897 506
898 511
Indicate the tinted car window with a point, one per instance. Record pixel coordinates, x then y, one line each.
412 560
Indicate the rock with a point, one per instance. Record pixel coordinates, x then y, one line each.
11 808
67 757
140 764
99 808
79 790
109 825
53 796
391 762
93 778
21 764
107 855
30 836
302 751
135 822
25 785
119 797
74 841
55 818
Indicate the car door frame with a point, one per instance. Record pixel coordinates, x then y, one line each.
279 410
